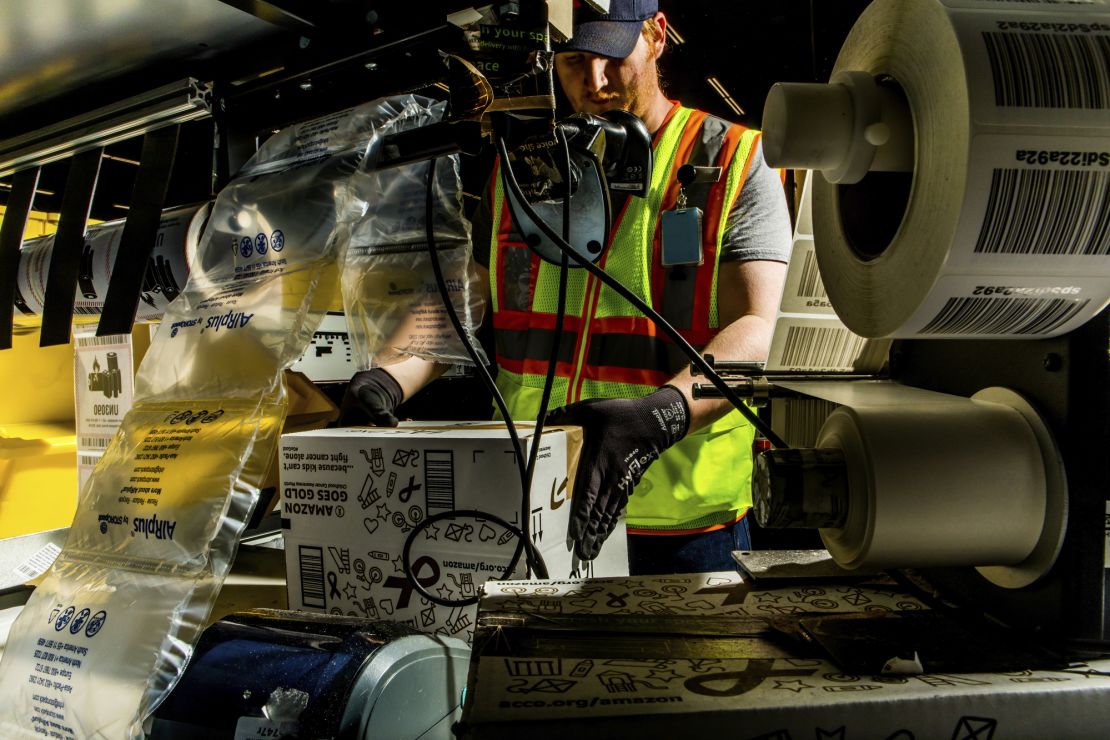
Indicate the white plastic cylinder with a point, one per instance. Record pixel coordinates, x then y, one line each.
845 129
807 126
930 485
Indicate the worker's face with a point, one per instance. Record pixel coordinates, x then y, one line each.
595 84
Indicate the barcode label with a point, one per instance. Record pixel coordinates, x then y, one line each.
89 340
86 310
1038 70
439 479
312 576
1004 315
93 443
39 563
831 347
802 419
811 285
1060 212
90 460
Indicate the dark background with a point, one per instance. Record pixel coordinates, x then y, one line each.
747 46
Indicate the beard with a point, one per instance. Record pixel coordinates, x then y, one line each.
634 98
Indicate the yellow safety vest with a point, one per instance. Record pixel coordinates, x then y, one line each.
609 350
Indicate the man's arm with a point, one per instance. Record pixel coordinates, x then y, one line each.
748 296
414 373
373 395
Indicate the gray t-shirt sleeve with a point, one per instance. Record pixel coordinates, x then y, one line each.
758 227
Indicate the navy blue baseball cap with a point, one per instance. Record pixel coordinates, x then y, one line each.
613 34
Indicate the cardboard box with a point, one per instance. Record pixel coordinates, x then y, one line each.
710 655
351 498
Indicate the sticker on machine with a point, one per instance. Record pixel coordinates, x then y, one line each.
261 728
103 386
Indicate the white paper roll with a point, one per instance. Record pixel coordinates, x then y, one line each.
1006 224
937 484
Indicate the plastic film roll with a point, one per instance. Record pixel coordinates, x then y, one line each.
1002 229
166 273
962 483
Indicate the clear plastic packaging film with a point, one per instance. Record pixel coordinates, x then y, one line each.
393 304
106 635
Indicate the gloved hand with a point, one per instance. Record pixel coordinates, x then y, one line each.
376 394
622 437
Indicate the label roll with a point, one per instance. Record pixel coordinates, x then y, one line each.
1002 227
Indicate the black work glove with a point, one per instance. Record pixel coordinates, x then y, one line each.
622 437
372 398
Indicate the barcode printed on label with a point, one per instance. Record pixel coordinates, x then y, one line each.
312 576
38 563
94 341
1004 315
86 310
88 460
811 285
26 571
821 347
804 418
439 479
1062 212
95 443
1037 70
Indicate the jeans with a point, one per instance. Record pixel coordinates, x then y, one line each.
703 552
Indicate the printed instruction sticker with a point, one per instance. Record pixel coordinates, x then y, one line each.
104 384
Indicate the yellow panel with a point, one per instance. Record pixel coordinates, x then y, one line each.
37 382
38 453
38 477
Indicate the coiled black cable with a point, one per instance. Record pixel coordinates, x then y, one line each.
533 557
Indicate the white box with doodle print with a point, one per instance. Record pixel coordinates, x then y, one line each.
351 497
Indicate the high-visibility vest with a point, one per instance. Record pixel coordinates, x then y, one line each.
609 350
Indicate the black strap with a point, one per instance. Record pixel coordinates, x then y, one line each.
69 243
11 239
144 216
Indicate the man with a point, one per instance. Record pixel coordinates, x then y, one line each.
627 386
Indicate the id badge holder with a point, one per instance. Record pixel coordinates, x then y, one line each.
681 236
